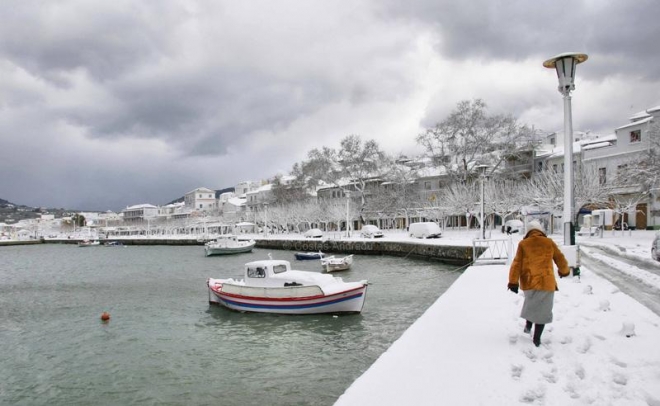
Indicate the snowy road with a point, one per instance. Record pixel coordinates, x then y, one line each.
636 277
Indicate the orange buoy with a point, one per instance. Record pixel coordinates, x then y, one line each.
105 316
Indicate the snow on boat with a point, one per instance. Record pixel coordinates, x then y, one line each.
228 244
332 264
304 256
271 286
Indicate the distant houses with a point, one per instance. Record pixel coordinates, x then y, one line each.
608 153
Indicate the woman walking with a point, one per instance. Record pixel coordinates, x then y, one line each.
532 269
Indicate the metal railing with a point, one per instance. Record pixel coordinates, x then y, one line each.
492 251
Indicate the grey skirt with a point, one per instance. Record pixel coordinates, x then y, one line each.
537 307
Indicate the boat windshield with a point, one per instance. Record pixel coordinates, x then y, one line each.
256 272
279 268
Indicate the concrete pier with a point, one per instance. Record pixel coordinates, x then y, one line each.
453 254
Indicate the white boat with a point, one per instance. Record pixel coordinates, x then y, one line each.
228 244
332 264
271 286
88 243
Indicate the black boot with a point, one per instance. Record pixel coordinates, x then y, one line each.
538 330
528 327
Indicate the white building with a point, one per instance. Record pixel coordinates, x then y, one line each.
140 213
201 199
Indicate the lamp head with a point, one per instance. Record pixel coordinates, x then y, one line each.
565 65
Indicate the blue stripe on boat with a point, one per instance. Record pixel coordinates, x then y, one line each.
307 306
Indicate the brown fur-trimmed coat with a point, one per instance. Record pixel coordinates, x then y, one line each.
533 264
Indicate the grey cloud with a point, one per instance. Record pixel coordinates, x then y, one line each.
621 37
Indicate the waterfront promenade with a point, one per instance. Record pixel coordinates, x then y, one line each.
468 348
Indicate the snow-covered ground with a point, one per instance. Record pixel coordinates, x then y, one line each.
468 348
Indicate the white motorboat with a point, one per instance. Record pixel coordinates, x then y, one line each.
332 264
88 243
271 286
228 244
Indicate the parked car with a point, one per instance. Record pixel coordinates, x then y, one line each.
655 248
513 226
313 233
425 230
371 231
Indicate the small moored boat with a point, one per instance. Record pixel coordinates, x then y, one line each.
332 264
88 243
228 244
271 286
305 256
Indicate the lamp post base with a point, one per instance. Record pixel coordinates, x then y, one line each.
569 234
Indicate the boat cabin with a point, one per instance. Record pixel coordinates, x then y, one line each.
262 270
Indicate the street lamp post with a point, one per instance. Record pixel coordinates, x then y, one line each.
482 170
348 200
565 65
266 219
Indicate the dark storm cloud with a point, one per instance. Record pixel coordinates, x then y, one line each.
621 37
48 38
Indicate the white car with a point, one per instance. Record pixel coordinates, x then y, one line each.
427 229
313 233
655 248
371 231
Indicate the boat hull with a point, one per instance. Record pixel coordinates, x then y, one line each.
349 301
227 250
307 256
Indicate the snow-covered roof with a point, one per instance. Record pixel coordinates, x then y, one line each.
639 115
141 206
202 190
653 109
262 188
236 201
430 172
597 145
643 121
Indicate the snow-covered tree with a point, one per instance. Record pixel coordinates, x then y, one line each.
350 168
469 135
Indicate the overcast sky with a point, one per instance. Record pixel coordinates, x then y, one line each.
106 104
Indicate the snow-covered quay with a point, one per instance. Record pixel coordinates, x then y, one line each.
468 348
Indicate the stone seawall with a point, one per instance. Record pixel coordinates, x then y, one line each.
19 242
453 254
460 255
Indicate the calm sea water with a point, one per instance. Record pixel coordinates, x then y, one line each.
164 344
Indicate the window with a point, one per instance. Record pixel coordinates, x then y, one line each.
562 168
200 206
635 136
427 185
256 272
279 268
554 168
602 176
552 141
539 166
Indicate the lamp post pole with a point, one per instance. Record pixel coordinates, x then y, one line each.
348 201
482 169
565 65
483 230
266 219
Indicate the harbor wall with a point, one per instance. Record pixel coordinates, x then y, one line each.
453 254
460 255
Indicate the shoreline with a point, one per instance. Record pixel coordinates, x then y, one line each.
454 254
